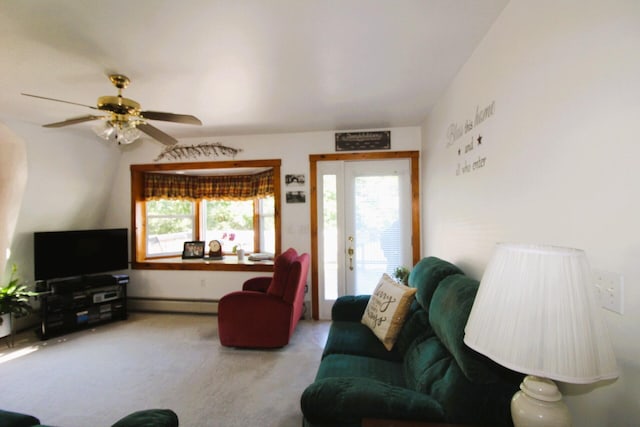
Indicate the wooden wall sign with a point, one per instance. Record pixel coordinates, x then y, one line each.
354 141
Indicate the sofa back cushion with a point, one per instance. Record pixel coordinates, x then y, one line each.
416 327
281 267
297 278
448 314
426 275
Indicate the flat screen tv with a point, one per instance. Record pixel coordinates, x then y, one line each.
59 254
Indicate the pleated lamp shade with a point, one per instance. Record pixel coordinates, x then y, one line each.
536 313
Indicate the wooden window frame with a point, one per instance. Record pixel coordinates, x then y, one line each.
138 217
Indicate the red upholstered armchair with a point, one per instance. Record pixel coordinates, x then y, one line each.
265 313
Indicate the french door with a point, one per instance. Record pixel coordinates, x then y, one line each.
365 220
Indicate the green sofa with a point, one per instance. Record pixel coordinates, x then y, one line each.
429 375
145 418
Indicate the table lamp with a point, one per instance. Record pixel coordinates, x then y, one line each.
536 313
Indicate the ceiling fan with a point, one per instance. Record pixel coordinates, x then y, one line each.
124 120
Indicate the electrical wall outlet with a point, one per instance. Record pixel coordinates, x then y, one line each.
610 290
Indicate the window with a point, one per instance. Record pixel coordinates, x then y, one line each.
231 223
165 215
169 224
236 224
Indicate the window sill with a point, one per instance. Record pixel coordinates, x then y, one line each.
228 263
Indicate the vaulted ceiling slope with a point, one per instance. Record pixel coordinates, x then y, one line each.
241 66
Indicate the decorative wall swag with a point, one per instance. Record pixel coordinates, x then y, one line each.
204 149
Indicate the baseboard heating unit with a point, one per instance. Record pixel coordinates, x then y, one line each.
166 305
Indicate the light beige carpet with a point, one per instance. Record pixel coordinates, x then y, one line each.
94 377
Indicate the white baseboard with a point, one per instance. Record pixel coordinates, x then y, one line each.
172 305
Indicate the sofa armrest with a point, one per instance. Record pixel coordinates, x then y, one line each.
149 417
348 400
349 308
258 284
16 419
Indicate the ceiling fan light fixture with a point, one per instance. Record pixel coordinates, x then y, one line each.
127 133
104 129
122 131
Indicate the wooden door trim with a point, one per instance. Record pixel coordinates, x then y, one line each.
414 156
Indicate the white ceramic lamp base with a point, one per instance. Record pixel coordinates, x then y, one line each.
539 403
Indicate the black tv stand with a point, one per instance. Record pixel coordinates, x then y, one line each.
82 302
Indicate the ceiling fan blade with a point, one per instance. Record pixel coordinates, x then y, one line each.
157 134
72 121
59 100
170 117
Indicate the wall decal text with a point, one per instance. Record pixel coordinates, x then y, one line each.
469 160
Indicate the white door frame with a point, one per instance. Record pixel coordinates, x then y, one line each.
414 156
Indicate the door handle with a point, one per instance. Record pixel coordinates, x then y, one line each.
350 251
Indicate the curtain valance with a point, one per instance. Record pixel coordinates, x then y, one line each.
223 187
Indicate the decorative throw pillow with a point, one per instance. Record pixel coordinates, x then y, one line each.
387 309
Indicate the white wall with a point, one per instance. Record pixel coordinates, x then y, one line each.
292 148
13 179
560 151
69 179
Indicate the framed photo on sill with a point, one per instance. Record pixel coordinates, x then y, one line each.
192 250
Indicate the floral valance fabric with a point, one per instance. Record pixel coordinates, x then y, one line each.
190 187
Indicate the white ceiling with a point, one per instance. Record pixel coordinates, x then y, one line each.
241 66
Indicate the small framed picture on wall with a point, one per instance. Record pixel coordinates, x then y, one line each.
296 197
294 179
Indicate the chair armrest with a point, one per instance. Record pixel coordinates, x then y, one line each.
348 400
349 308
258 284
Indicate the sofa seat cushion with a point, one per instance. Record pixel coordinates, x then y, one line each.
432 370
355 338
353 366
345 402
15 419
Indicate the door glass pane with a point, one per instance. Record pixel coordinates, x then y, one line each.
329 238
377 230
